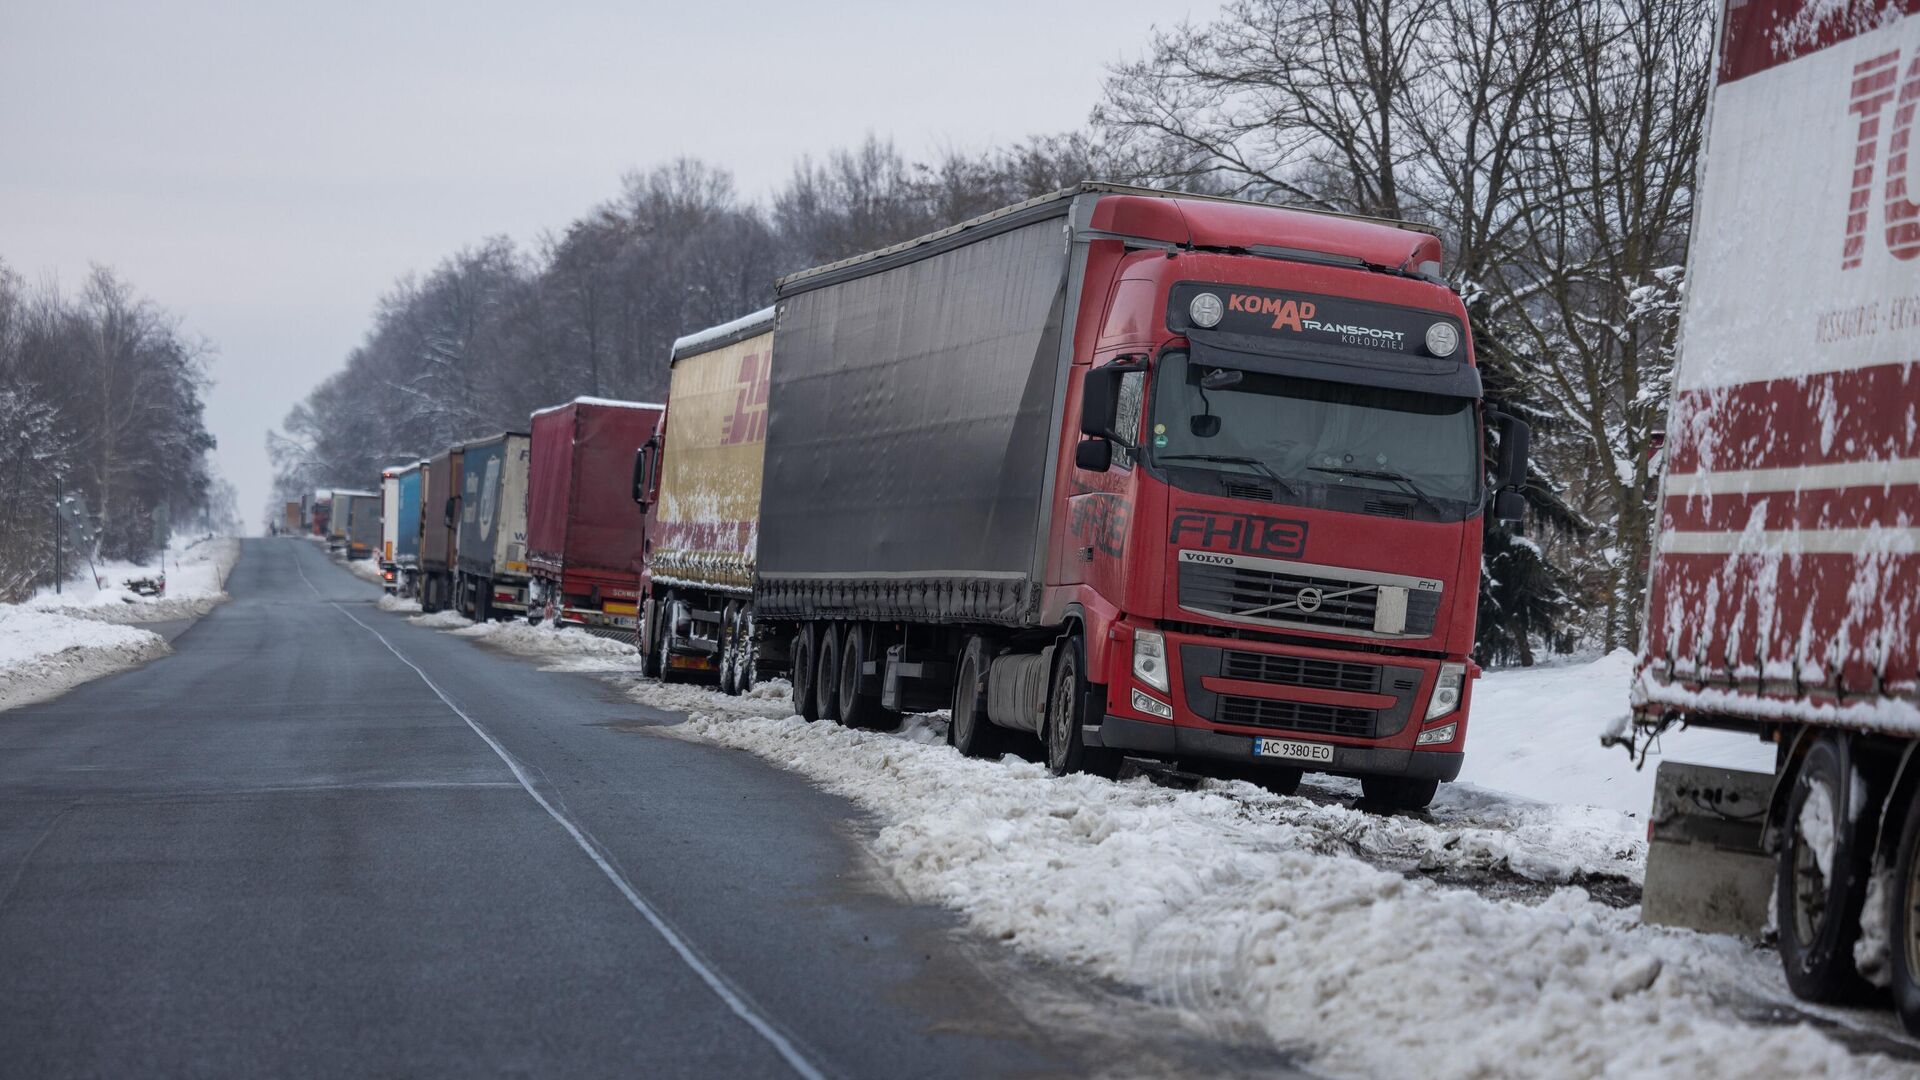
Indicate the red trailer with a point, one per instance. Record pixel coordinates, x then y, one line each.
585 535
1785 589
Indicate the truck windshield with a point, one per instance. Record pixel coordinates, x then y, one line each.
1307 431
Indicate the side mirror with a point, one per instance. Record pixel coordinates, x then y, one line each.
1093 455
1516 439
1100 399
1509 507
643 465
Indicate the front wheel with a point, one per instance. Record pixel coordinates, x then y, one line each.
1067 751
1397 792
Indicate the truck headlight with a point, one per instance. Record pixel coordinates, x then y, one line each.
1150 659
1446 691
1437 735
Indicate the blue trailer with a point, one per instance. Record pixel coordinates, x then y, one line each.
400 524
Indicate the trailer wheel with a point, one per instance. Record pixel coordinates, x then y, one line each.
729 648
643 636
826 676
482 599
746 653
668 609
969 731
805 640
1822 873
856 709
1067 752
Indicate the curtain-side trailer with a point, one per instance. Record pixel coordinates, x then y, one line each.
700 481
491 573
1784 592
1137 474
439 528
585 535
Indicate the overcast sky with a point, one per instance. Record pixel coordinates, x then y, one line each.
266 170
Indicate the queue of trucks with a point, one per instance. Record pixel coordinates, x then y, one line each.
1174 478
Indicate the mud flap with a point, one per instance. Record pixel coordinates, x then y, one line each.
1707 863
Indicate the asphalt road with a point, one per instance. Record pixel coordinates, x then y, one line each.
320 841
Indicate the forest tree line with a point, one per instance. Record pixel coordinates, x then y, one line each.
101 402
1551 143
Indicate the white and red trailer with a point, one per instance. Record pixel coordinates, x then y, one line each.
1784 593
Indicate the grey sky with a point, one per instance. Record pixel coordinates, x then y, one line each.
267 170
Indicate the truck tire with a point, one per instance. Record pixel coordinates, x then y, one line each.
826 675
482 599
968 730
729 625
1067 752
1818 900
747 653
643 639
1903 930
669 611
859 710
1396 792
805 648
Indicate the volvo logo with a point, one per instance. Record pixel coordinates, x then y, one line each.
1308 600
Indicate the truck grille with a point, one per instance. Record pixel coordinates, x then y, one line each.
1299 671
1318 600
1298 716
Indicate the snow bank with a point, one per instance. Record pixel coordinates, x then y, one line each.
366 569
1252 911
1535 732
391 602
560 648
44 653
196 574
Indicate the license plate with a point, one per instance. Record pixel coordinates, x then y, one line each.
1288 748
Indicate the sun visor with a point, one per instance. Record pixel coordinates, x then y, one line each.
1425 375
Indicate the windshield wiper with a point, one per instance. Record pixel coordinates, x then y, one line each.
1384 474
1235 459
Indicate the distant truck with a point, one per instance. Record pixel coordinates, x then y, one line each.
1784 593
491 553
585 536
359 513
290 518
700 480
1132 473
400 528
320 513
440 528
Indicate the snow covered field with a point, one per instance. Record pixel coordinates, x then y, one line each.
1498 935
56 641
1535 732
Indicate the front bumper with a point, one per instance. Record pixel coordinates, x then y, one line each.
1167 740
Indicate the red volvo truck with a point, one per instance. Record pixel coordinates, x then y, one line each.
1136 473
585 536
1784 594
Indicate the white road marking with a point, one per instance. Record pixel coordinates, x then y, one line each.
721 988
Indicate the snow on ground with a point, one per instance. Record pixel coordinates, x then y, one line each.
558 648
44 653
1295 918
391 602
196 570
367 569
1535 732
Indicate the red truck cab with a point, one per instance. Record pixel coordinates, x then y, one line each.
1273 486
